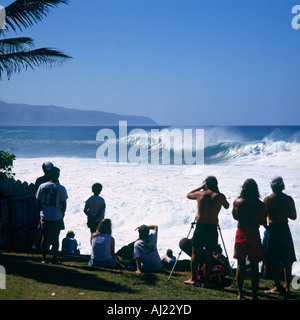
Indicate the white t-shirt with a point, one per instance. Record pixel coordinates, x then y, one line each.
146 249
95 205
101 247
51 194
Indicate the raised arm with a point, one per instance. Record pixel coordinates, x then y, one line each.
154 227
225 202
193 194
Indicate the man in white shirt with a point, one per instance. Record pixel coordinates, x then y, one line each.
145 250
51 198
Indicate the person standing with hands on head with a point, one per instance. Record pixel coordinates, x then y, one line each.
249 211
209 201
280 247
51 198
145 250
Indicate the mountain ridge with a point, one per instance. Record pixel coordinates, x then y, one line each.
19 114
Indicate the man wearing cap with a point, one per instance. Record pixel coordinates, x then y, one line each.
51 197
280 248
47 166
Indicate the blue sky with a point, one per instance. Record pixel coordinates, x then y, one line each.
180 62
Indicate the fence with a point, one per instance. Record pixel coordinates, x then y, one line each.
19 214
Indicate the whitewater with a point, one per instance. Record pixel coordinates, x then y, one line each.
138 194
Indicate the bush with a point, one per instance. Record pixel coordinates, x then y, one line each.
6 163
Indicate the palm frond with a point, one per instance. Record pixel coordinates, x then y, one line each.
9 45
25 13
16 61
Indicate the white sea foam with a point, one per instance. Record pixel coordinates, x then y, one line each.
138 194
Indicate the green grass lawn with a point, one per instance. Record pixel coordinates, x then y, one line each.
28 279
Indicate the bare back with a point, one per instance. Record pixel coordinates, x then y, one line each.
279 208
209 206
250 213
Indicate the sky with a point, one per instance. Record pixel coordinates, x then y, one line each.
179 62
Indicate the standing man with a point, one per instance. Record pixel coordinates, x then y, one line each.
209 201
47 167
145 250
280 247
51 198
249 211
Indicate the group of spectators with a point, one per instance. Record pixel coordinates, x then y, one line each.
250 212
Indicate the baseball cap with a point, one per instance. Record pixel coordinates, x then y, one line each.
277 182
47 165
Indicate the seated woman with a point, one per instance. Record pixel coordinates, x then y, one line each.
103 246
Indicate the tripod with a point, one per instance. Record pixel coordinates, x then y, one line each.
192 226
219 228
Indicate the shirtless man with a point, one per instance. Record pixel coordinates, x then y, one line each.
209 201
249 211
279 208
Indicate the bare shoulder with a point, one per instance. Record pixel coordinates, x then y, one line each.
202 194
268 198
238 201
289 200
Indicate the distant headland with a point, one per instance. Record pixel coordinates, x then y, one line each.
14 114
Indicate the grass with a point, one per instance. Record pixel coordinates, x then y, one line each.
28 279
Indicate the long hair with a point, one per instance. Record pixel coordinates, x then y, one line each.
249 188
103 227
212 184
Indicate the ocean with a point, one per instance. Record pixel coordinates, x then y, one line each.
139 191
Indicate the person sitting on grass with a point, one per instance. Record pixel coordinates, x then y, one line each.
103 246
69 244
145 250
168 257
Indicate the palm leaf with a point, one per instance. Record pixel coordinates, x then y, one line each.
16 61
10 45
25 13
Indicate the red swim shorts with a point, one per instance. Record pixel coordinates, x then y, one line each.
247 244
